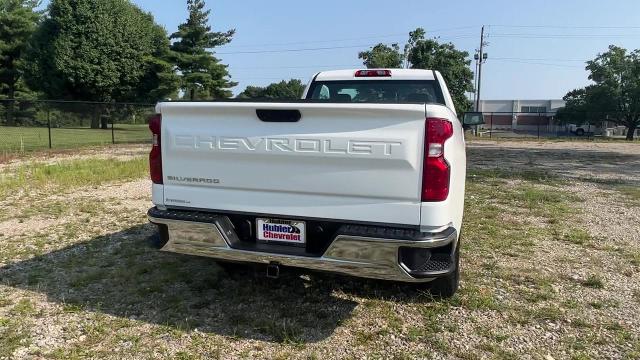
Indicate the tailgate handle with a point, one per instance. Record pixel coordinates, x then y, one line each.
279 115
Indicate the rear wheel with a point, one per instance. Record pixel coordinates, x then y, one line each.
580 132
446 286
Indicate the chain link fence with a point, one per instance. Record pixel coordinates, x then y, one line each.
27 125
548 125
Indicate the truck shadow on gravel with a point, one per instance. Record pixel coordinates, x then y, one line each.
121 275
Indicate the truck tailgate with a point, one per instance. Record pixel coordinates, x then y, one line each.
354 162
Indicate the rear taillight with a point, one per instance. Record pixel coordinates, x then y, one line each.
436 172
373 73
155 156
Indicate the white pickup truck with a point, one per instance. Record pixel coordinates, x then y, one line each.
364 176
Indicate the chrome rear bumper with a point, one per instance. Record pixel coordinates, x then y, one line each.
365 256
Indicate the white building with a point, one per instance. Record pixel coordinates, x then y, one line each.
526 115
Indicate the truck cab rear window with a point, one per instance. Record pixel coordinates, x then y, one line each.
377 91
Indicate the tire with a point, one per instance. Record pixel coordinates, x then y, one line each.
446 286
580 132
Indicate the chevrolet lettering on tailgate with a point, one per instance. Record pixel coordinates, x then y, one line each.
288 145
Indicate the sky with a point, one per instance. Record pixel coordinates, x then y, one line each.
536 49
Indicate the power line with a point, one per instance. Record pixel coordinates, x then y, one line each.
294 50
429 32
566 27
275 51
560 36
265 78
538 59
316 41
295 67
231 49
539 63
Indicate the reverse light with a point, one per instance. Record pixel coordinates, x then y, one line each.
155 156
436 172
373 73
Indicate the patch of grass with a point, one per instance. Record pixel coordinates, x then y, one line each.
387 312
54 209
571 304
475 298
580 323
604 304
533 175
496 336
537 294
630 193
72 308
364 337
18 139
597 304
73 173
549 313
542 201
531 279
49 208
5 302
86 278
593 281
576 236
24 307
183 355
281 330
467 355
613 326
622 335
13 335
634 257
504 217
75 353
497 351
580 356
487 230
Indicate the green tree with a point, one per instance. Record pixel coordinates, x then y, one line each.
580 110
202 74
18 21
382 56
453 64
422 53
614 94
283 90
414 36
100 50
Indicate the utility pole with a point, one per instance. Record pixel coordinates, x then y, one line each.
475 79
481 57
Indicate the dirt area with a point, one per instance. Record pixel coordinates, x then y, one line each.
576 160
550 270
121 152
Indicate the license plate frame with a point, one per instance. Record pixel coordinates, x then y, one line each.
281 231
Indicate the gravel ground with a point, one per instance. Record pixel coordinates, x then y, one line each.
574 160
551 270
120 152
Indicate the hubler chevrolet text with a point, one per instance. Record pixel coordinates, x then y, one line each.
364 176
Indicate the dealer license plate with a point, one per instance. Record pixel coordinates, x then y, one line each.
282 231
